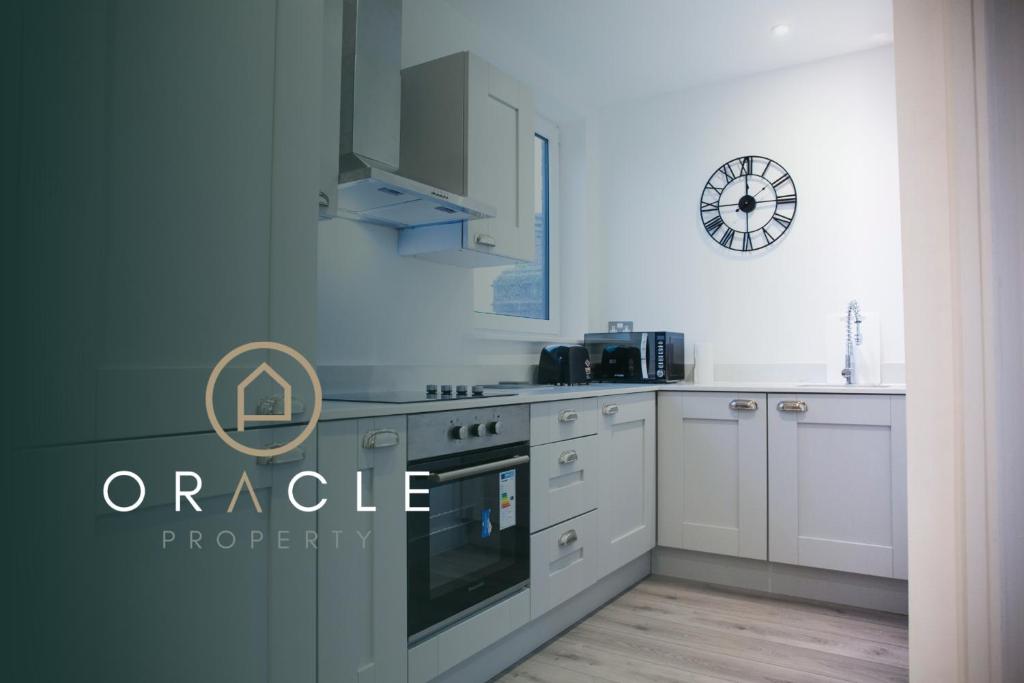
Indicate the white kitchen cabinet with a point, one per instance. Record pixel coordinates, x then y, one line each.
837 483
361 571
468 128
713 473
626 434
563 480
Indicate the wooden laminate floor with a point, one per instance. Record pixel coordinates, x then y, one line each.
667 630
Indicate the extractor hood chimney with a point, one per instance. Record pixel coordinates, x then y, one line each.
369 186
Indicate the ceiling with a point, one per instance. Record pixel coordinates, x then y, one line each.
602 52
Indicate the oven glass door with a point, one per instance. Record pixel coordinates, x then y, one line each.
473 545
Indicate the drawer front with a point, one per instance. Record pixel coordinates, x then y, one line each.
563 562
561 420
563 481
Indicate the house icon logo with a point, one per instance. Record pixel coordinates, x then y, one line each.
286 389
267 408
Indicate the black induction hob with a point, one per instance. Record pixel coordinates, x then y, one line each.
409 396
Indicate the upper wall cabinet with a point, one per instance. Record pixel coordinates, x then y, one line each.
468 128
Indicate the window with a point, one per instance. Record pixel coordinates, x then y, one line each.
523 297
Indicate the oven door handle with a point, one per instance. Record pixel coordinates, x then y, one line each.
455 475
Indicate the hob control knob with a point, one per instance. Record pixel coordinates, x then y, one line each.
446 389
494 427
431 390
461 390
459 432
477 430
478 390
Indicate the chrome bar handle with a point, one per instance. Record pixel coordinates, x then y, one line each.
792 407
486 241
610 409
568 457
381 438
568 537
454 475
568 416
743 404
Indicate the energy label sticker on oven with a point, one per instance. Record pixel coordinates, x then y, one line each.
507 499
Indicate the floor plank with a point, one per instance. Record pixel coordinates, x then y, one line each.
667 630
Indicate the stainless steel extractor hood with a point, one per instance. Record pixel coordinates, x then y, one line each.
369 186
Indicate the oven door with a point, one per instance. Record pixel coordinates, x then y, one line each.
473 547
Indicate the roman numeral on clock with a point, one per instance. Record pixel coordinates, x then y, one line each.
782 179
713 224
708 206
726 239
729 175
782 220
786 199
746 165
748 244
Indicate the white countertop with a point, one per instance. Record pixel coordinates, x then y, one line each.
345 410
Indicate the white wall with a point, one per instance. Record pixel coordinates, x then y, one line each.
832 124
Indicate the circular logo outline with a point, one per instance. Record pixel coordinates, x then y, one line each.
271 346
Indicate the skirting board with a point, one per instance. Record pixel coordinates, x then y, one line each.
491 661
807 583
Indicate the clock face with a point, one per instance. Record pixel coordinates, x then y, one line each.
748 203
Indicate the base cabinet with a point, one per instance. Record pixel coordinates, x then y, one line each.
837 483
713 473
361 562
627 441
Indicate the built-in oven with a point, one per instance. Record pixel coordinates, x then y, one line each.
472 548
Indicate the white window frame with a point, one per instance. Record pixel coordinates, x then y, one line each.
512 327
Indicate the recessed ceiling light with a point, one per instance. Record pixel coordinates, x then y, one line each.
780 30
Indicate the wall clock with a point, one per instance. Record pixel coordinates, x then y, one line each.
748 203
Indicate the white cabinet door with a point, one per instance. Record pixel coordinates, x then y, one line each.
713 473
469 128
362 634
500 161
837 482
626 432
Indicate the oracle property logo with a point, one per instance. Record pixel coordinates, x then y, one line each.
243 418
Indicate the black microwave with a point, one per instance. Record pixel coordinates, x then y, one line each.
635 356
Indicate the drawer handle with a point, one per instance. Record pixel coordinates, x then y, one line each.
743 404
568 416
567 457
381 438
568 537
792 406
486 241
610 409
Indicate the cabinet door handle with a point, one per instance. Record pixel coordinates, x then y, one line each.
792 406
610 409
299 453
743 404
486 241
322 199
567 457
568 537
381 438
568 416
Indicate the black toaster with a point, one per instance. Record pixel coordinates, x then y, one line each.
564 364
